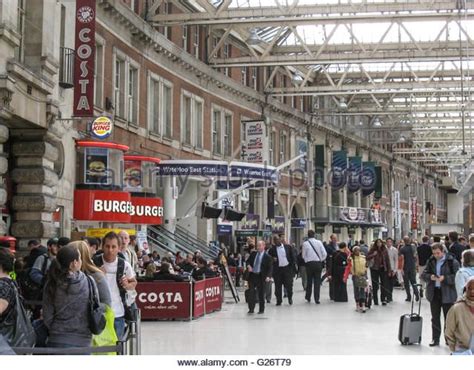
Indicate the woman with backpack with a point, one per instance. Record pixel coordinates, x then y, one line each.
66 301
359 278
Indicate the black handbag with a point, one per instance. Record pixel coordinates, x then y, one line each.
97 318
16 327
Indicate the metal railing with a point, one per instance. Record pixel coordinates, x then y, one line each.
130 345
66 67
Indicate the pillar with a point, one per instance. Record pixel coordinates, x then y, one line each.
36 182
169 206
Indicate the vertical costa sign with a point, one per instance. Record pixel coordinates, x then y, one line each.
84 58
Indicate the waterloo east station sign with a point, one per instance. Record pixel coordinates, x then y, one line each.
117 206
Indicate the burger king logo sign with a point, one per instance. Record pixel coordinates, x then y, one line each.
102 127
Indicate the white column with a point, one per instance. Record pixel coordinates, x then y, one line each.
169 204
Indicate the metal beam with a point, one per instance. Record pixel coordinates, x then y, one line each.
367 88
420 10
355 57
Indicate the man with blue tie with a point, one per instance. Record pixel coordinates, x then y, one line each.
259 265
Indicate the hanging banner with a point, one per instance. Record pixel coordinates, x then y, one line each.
84 58
278 225
251 222
338 169
414 213
255 148
319 166
378 182
353 174
367 179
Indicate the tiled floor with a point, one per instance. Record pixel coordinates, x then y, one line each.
302 329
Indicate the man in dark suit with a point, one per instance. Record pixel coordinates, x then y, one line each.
283 271
455 247
259 265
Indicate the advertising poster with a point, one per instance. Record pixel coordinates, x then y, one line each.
255 141
132 176
251 222
279 225
96 166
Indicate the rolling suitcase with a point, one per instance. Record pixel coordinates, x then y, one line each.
410 326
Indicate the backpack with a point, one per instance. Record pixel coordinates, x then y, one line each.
130 312
30 290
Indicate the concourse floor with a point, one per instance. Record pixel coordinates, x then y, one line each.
302 329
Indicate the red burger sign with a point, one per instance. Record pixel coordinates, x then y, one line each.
116 206
84 58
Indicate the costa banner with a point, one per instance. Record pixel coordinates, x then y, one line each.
338 168
198 298
164 300
414 213
367 179
84 58
213 294
147 211
353 174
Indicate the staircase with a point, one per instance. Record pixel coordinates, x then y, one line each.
167 241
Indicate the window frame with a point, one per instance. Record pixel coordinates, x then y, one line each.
162 112
221 136
128 63
194 135
99 72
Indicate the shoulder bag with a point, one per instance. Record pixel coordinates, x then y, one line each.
97 318
16 327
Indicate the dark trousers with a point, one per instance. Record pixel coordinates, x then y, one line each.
283 276
268 291
313 275
238 275
379 280
436 305
409 278
390 286
257 281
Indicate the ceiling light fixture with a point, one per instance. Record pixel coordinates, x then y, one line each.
254 38
377 122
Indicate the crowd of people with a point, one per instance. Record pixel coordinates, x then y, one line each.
441 270
57 281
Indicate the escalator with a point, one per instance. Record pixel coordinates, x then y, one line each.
193 239
174 243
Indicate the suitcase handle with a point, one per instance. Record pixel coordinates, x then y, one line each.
419 299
